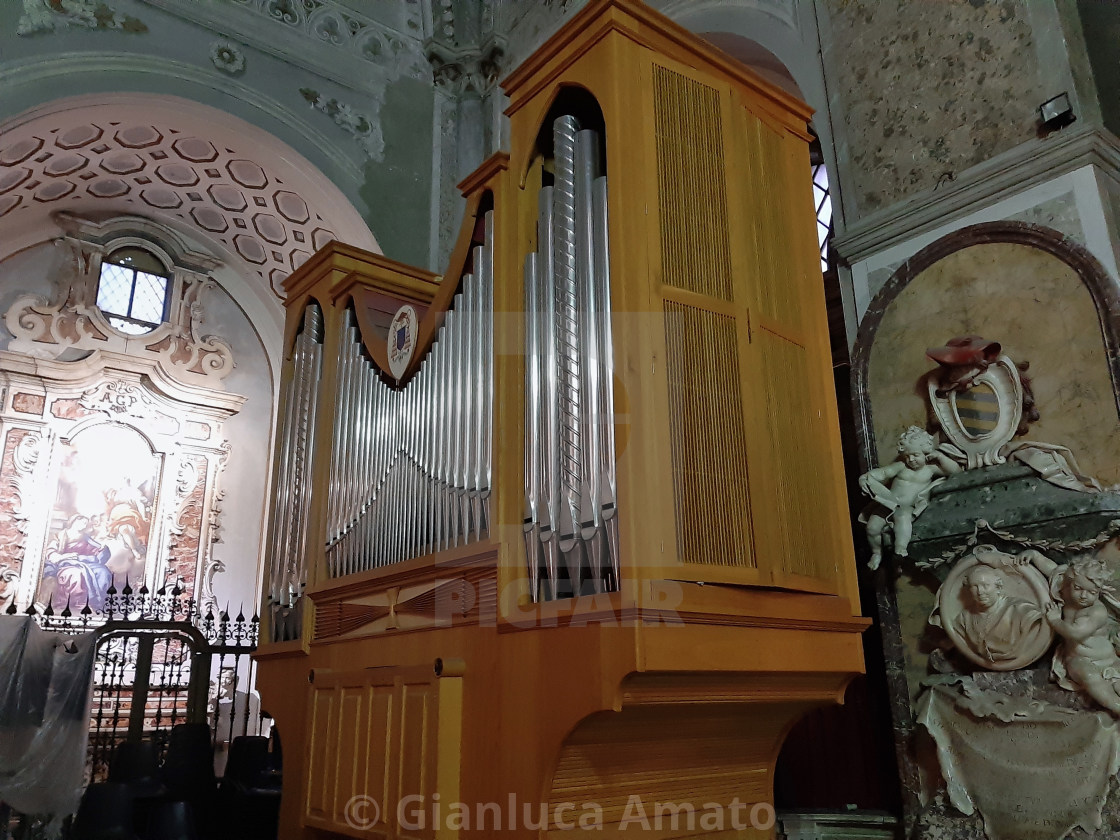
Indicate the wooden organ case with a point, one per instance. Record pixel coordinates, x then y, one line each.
590 541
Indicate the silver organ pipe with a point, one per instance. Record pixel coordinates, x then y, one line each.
288 537
570 502
410 468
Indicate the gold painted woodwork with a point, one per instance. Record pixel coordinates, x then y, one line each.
738 608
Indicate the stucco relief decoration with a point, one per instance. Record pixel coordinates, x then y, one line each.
118 397
26 476
115 481
46 329
212 566
52 15
335 24
227 57
188 522
9 580
362 48
365 129
467 69
168 171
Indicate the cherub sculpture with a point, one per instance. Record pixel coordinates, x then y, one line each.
900 490
1087 658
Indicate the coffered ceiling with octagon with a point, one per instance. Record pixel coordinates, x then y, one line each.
263 207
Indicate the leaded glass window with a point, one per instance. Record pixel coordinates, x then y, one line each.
134 291
823 203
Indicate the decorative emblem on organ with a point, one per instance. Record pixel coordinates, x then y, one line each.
402 341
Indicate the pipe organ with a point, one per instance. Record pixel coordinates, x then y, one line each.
567 525
410 467
288 535
570 529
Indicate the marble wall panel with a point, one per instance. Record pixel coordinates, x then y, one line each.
11 538
1038 308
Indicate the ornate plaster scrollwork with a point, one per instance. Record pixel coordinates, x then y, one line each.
45 16
366 130
183 350
9 584
185 481
117 397
211 565
227 57
466 69
66 322
47 329
26 458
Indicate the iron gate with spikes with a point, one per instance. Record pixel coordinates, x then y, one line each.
160 662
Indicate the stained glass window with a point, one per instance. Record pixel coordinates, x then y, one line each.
133 291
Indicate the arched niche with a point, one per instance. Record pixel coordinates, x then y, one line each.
1044 298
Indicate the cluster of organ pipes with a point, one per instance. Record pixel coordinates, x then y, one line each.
410 468
571 532
293 486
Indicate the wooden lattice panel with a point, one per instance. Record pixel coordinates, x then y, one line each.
708 437
695 253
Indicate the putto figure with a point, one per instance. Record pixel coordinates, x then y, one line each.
1086 659
900 490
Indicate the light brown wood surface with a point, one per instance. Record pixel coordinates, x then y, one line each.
682 685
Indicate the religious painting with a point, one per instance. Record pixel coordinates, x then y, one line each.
101 519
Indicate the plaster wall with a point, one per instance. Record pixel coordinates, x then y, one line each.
370 134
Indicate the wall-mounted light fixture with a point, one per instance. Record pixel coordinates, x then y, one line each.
1056 113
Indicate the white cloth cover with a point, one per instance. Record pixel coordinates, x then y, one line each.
45 689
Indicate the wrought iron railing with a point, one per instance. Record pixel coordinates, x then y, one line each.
161 661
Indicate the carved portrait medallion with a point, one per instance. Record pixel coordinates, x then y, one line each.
994 610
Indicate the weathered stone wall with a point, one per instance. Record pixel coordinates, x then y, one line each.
926 89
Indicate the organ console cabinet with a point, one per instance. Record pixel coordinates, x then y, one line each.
568 524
